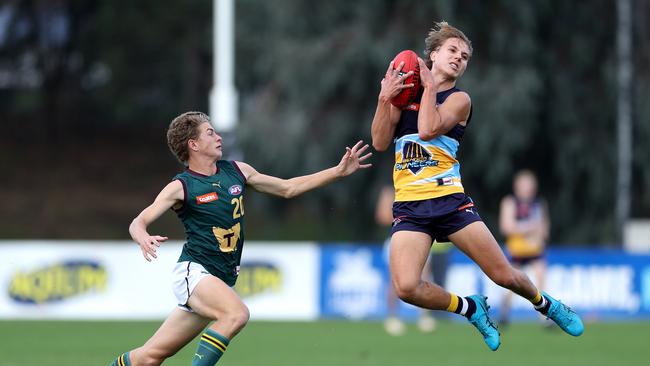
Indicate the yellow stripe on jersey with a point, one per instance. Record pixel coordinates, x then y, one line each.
120 360
213 341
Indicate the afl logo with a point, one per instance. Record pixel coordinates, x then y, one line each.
235 190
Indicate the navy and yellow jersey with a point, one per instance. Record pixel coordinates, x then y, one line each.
426 169
519 245
213 216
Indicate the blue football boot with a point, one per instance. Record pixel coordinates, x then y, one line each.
563 316
481 320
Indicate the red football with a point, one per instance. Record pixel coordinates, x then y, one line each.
407 95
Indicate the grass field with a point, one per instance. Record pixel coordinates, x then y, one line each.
34 343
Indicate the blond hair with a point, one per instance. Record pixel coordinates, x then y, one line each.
437 36
182 129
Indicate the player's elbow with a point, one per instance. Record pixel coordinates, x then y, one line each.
135 223
429 132
288 195
380 145
427 135
132 224
290 192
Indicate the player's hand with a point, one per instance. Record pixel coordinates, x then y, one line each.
149 244
352 159
426 76
393 83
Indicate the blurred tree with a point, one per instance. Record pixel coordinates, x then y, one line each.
87 89
541 82
641 118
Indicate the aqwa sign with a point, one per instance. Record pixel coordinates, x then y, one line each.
57 282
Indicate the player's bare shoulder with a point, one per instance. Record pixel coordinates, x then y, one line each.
460 98
458 105
246 169
464 96
173 192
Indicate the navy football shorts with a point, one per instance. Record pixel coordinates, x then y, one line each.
438 217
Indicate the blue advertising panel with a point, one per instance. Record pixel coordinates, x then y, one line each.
597 283
353 281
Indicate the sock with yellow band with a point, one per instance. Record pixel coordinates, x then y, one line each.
211 346
123 360
461 305
540 303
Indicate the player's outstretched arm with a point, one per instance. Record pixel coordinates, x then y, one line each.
171 195
351 161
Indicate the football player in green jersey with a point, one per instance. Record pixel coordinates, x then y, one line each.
208 198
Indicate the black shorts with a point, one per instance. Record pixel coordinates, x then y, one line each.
438 217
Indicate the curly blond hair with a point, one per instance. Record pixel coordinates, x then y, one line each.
182 129
441 32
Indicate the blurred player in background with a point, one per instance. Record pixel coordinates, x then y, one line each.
523 220
431 203
208 198
436 265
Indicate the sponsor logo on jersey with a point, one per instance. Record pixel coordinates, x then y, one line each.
57 282
235 190
208 197
446 181
415 157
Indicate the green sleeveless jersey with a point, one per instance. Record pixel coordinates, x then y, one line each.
213 216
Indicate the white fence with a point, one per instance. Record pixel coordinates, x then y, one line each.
111 280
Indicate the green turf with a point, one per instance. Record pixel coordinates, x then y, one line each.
336 343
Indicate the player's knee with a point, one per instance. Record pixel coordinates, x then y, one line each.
237 318
405 290
242 317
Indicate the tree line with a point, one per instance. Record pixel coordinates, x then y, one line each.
102 79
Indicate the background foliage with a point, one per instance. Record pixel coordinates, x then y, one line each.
87 89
